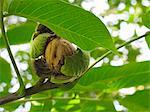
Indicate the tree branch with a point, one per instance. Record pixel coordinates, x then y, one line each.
30 91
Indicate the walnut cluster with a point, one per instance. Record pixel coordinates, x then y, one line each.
54 53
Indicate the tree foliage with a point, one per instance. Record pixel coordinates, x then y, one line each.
100 86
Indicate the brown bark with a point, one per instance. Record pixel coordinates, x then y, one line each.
29 91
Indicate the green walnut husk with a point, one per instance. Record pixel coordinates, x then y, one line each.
38 45
57 59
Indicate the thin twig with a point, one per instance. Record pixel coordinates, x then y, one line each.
56 98
22 87
109 52
29 91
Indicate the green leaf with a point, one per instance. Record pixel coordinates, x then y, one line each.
129 81
6 5
61 105
74 108
10 107
5 71
147 38
146 19
68 21
133 53
132 74
88 106
36 106
106 105
98 86
65 0
138 102
5 75
44 105
97 52
19 34
47 106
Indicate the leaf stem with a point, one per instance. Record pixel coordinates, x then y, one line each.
109 52
22 87
57 98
